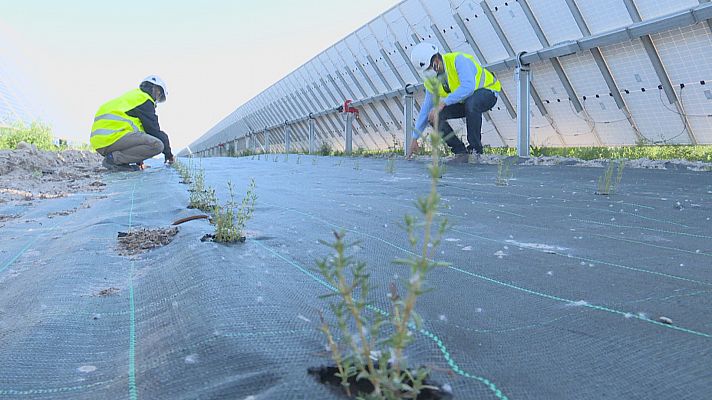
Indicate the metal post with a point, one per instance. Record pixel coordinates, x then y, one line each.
523 75
408 117
287 138
266 141
348 132
312 133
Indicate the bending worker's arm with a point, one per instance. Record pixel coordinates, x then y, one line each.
146 112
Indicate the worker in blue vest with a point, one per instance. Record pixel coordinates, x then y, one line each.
126 130
466 89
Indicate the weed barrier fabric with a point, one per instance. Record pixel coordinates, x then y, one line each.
552 293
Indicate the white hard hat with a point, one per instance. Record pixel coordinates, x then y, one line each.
421 55
156 80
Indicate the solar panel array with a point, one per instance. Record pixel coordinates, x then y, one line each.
14 107
605 72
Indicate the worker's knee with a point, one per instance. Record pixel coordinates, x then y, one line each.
156 146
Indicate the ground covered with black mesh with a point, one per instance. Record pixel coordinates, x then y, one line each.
553 292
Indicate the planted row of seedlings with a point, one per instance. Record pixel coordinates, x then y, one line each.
229 218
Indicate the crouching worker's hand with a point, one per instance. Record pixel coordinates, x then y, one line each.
170 160
414 147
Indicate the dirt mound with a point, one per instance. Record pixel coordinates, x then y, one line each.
142 240
28 173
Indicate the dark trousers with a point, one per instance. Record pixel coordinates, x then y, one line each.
471 109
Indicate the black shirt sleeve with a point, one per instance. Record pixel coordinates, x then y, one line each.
146 113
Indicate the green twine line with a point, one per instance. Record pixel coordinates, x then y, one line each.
643 228
600 308
592 260
653 245
133 390
24 249
446 354
592 306
14 392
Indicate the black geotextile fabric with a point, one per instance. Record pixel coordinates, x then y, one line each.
553 292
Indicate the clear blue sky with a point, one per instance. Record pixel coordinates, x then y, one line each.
214 54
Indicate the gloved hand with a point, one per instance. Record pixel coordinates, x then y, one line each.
170 160
413 149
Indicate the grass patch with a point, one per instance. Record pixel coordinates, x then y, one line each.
653 152
38 134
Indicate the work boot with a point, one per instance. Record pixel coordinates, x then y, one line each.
458 159
473 158
112 166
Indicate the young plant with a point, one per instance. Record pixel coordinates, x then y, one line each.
376 351
357 165
504 173
247 208
607 183
325 149
299 159
390 166
229 220
202 197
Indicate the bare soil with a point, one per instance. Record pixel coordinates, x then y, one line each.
29 174
142 240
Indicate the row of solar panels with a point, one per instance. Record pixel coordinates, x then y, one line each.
605 72
14 107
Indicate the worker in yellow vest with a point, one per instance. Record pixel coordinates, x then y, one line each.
466 89
126 130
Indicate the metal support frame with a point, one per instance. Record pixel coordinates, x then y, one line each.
523 75
312 134
348 133
408 124
287 138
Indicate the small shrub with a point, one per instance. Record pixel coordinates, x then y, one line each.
376 352
325 149
230 222
202 197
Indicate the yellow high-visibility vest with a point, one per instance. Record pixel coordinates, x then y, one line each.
111 122
483 78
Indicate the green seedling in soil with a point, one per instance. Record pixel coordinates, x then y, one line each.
391 166
504 172
357 165
607 183
325 149
376 351
202 197
230 220
299 159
